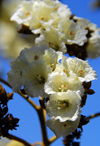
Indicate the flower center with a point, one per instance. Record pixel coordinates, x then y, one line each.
71 33
35 57
62 104
55 8
40 79
27 13
81 72
63 88
42 18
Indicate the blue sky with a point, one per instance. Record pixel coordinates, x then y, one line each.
29 127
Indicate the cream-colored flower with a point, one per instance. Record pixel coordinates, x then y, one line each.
59 82
33 13
93 46
11 46
64 106
27 56
23 14
15 73
82 69
33 78
73 32
53 39
62 128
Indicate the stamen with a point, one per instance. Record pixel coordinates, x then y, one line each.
71 33
42 18
55 8
64 70
20 73
35 57
27 13
81 72
51 44
64 124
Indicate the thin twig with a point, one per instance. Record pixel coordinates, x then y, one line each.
5 82
93 116
37 143
10 136
24 96
29 100
52 139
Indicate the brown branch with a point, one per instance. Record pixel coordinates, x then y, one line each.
93 116
37 143
41 114
12 137
24 96
52 139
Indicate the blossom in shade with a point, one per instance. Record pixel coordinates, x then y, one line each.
62 128
15 72
64 106
93 45
34 77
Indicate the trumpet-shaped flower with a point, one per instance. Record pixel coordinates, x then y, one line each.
53 39
59 82
33 78
62 128
64 106
27 56
82 69
73 32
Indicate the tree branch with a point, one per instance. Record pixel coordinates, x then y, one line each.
12 137
52 139
24 96
93 116
37 143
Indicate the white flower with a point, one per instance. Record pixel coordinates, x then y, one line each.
33 13
64 106
23 14
52 57
15 72
62 128
82 69
53 39
73 32
93 45
27 56
33 78
59 82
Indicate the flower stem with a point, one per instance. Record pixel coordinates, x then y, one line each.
93 116
24 96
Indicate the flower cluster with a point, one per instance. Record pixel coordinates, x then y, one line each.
39 72
44 71
59 29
